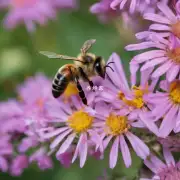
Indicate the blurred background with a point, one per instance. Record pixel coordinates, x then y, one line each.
19 59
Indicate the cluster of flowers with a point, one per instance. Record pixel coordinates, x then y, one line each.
121 117
30 12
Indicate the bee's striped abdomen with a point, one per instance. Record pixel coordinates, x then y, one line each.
59 85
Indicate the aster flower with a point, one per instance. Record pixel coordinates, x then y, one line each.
115 126
11 117
167 21
168 170
42 159
6 150
166 57
166 105
28 12
103 10
75 125
128 99
171 142
18 165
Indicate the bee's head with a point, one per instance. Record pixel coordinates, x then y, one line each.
99 67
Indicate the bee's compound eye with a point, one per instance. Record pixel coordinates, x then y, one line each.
88 59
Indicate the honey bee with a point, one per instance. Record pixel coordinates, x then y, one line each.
86 65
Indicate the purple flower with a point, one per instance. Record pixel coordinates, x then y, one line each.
171 142
103 10
166 57
18 165
11 117
6 150
168 170
29 12
115 127
66 157
130 100
35 90
166 105
167 21
43 160
75 124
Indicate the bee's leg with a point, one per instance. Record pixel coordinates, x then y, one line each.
84 75
81 92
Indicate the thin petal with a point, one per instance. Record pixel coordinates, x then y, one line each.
114 153
156 18
66 144
173 72
162 69
149 123
58 139
153 63
160 27
167 124
125 152
167 12
83 148
77 148
54 132
168 157
148 55
138 145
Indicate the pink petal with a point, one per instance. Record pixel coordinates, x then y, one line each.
140 46
149 123
114 153
162 69
54 132
157 163
106 141
160 111
167 12
167 124
173 72
177 128
132 6
83 148
66 144
77 148
148 55
153 63
138 145
3 164
164 85
125 152
168 157
156 18
115 3
160 27
58 139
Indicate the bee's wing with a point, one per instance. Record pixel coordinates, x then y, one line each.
87 45
54 55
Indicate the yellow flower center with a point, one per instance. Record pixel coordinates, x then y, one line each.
71 90
174 55
137 102
116 125
80 121
22 3
175 92
176 29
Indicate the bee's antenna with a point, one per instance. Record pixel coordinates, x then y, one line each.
109 67
109 63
